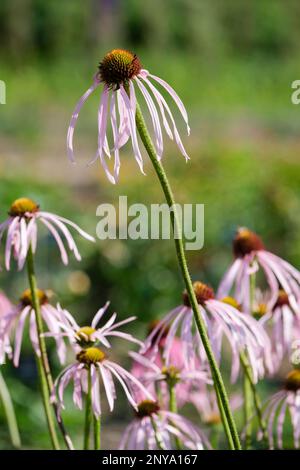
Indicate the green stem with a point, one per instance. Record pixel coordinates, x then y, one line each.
249 385
218 380
248 411
47 385
256 399
88 414
158 438
97 433
9 413
173 409
42 360
46 403
224 421
252 292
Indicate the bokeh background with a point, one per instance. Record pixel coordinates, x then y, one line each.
232 63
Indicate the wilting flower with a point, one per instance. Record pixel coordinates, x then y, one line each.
95 362
5 307
222 320
86 336
250 255
154 428
121 75
276 408
21 227
280 320
13 324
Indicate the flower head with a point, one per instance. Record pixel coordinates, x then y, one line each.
21 227
250 256
183 380
95 361
222 320
91 335
14 320
121 75
153 424
276 408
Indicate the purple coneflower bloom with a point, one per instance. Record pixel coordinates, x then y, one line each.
5 307
154 428
275 410
250 255
222 320
81 337
14 323
121 74
21 227
280 320
103 371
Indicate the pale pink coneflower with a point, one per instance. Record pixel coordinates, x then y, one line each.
14 322
280 320
156 352
140 368
222 320
85 336
121 75
5 307
21 227
154 428
102 371
251 255
182 379
276 409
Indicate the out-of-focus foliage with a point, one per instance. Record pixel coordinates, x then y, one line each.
233 64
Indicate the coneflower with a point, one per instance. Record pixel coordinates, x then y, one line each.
120 75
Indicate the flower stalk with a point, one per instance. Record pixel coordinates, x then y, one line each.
228 420
173 408
88 413
158 438
256 399
47 385
97 433
249 385
42 360
9 413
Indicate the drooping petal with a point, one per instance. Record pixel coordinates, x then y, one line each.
75 117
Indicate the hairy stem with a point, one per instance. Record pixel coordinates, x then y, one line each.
42 359
229 423
47 385
224 421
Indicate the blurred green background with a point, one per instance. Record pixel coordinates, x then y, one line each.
233 64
